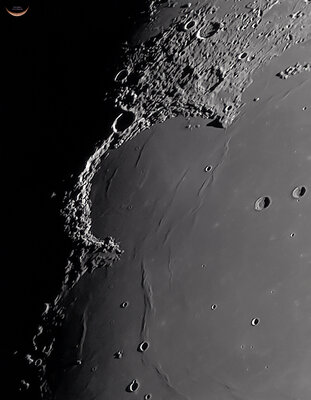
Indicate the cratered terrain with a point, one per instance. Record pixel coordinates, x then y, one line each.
189 276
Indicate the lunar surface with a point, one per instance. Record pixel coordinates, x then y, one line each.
189 272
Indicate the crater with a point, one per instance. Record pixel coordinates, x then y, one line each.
124 304
299 192
143 346
190 25
123 121
242 55
208 31
121 75
118 354
133 386
262 203
255 321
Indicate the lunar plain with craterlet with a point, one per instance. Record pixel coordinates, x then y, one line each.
189 276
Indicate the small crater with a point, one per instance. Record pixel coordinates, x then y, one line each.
143 346
190 25
299 192
121 75
242 55
38 362
118 355
208 31
123 121
255 321
133 386
228 108
124 304
208 168
262 203
292 234
147 396
213 306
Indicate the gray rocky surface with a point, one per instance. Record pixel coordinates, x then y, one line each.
218 291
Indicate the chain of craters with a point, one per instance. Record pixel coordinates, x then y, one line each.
294 70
